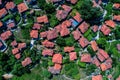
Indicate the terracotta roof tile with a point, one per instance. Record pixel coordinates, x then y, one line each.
83 27
85 57
69 49
61 14
37 26
100 57
14 43
34 34
17 56
94 45
52 34
66 23
47 43
58 28
57 66
83 42
118 78
95 28
11 25
96 61
10 5
15 51
22 45
1 24
110 23
5 35
42 19
57 58
26 61
43 34
66 8
22 7
77 17
106 30
103 53
116 17
3 12
72 56
116 5
76 34
1 44
47 52
97 77
64 32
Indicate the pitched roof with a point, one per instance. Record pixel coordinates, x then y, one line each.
103 53
22 45
97 77
61 14
14 43
58 28
73 1
3 12
47 52
85 57
37 26
47 43
57 58
22 7
10 5
77 17
96 61
118 78
66 8
116 17
1 44
109 60
15 51
52 34
43 34
106 30
83 42
72 56
53 71
1 24
110 23
17 56
42 19
34 34
94 45
26 61
5 35
11 25
116 5
64 32
83 27
77 34
100 57
105 66
69 49
66 23
95 28
57 66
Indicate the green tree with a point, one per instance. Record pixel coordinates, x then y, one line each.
60 41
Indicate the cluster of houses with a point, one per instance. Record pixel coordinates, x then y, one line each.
102 60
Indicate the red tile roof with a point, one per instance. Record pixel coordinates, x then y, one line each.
94 45
69 49
76 34
3 12
83 27
58 28
61 14
106 30
66 23
96 61
47 52
22 45
1 24
116 5
109 60
77 17
118 78
37 26
14 43
34 34
5 35
97 77
26 61
1 44
85 57
64 32
95 28
15 51
17 56
105 66
10 5
66 8
52 34
116 17
57 58
47 43
83 42
42 19
73 1
100 57
11 25
57 66
103 53
110 23
22 7
43 34
72 56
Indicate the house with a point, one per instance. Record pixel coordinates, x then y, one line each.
103 53
47 52
97 77
64 32
22 7
116 17
83 42
57 58
69 49
66 8
76 34
10 5
110 23
96 61
85 57
105 30
52 34
1 24
57 66
3 12
72 1
42 19
26 61
53 70
11 24
6 35
14 43
105 66
47 43
66 24
109 60
116 5
100 57
34 34
55 1
95 28
61 14
83 27
94 45
37 26
118 47
118 78
43 34
77 17
58 28
17 56
15 51
21 45
72 56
